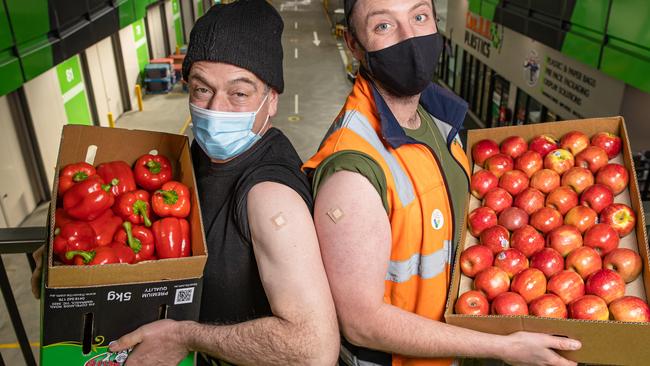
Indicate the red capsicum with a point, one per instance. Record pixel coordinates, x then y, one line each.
105 227
172 237
134 207
152 171
72 174
173 199
88 200
139 239
97 256
73 236
61 218
120 175
124 254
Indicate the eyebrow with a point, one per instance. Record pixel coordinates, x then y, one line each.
386 11
243 80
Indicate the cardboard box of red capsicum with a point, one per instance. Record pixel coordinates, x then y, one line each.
582 290
114 262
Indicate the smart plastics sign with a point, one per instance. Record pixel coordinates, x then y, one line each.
564 85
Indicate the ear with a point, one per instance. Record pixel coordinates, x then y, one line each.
274 97
354 46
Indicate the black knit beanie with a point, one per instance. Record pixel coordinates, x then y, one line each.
246 33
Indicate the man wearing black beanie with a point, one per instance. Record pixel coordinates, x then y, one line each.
265 300
393 167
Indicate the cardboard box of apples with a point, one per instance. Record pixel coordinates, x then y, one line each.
555 239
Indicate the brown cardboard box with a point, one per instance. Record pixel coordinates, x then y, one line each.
83 308
128 145
603 342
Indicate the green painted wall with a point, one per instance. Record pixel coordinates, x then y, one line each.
73 90
11 76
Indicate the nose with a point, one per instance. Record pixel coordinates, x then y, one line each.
218 102
406 31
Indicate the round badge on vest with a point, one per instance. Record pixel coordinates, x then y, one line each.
437 220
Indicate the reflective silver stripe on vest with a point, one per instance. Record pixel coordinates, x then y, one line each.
426 266
358 123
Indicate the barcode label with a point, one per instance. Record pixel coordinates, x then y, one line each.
184 296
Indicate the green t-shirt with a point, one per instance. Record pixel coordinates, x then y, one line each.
429 134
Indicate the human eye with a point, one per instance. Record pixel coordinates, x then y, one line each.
383 27
421 18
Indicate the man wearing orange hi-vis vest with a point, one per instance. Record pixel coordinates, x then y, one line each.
391 183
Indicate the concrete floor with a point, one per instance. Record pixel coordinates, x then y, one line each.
315 89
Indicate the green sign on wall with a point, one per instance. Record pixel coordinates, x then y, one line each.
178 23
73 90
141 48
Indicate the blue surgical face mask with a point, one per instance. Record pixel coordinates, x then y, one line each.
225 135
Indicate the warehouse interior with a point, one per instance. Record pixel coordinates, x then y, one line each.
116 64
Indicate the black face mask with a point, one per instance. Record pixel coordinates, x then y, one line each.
407 68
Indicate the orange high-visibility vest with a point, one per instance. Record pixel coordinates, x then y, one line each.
420 211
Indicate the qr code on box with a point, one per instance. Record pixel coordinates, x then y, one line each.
184 296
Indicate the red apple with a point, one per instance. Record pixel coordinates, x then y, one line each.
509 303
472 303
588 307
545 180
581 217
497 199
630 309
499 164
530 200
564 239
547 260
568 285
626 262
548 306
513 218
514 181
575 142
529 283
543 144
495 238
612 144
584 261
512 261
620 217
615 176
527 240
546 219
492 281
514 146
578 178
529 162
562 199
482 182
593 158
484 149
475 259
602 238
605 283
559 160
597 197
481 219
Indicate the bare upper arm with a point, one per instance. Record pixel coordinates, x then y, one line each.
287 253
356 247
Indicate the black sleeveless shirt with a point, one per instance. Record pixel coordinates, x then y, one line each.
232 289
